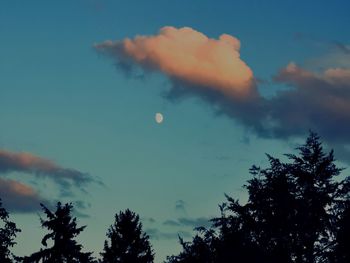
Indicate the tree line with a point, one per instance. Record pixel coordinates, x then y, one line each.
298 211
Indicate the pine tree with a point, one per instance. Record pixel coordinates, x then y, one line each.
63 230
297 212
8 231
127 242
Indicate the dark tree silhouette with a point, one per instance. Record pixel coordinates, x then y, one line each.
341 252
199 250
63 230
127 242
317 193
227 241
297 212
8 232
292 206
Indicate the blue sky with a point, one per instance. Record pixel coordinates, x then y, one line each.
63 100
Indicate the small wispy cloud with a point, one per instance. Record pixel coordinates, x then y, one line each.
156 234
188 222
180 206
171 222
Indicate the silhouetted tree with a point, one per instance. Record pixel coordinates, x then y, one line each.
8 232
63 230
293 206
127 242
235 242
227 241
341 251
318 195
297 212
199 250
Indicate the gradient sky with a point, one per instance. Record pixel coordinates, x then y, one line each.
87 126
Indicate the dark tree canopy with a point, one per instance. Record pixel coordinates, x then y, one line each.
341 252
8 232
297 212
197 251
127 243
63 231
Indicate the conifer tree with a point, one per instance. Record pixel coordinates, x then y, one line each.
63 231
127 243
8 231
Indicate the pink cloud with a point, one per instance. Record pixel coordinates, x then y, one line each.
29 163
190 57
332 76
213 70
19 197
316 100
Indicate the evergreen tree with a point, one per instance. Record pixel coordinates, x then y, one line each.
127 242
341 251
63 230
318 193
199 250
8 232
297 212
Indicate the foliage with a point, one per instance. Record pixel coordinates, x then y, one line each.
63 230
8 232
297 212
127 242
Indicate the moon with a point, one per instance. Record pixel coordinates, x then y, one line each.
159 117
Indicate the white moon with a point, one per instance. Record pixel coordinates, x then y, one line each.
159 117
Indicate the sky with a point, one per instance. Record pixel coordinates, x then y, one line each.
81 82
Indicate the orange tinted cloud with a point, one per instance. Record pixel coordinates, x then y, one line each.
189 56
41 167
331 76
338 75
316 100
19 197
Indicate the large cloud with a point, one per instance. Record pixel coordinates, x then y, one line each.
318 101
190 57
212 69
41 167
18 197
196 65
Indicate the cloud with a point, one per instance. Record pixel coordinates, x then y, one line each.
197 66
188 57
189 222
156 234
79 207
345 49
180 206
317 98
23 198
20 198
337 56
149 220
43 168
171 222
195 222
317 101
